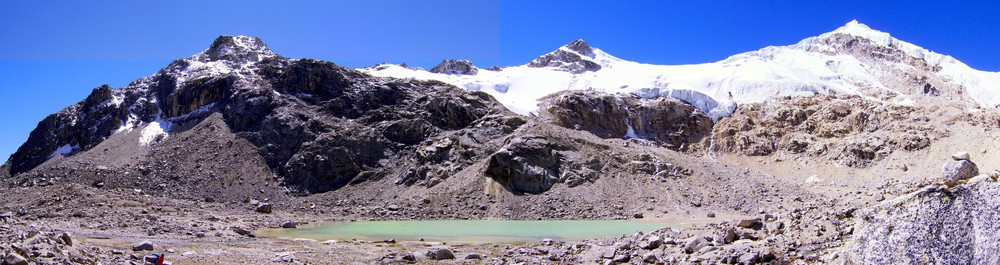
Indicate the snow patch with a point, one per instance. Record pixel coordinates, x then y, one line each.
155 132
64 150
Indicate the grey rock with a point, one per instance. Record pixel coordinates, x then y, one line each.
283 257
959 156
474 256
547 241
392 207
142 246
652 242
726 236
440 254
749 258
527 164
288 224
650 257
409 257
749 223
774 228
15 259
243 231
711 215
66 238
695 244
959 170
264 208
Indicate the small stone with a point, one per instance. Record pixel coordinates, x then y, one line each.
637 215
393 207
959 156
547 241
283 257
264 208
711 214
749 223
243 231
727 236
142 246
288 224
254 202
474 256
67 238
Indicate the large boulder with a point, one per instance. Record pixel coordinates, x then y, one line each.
527 164
935 225
958 170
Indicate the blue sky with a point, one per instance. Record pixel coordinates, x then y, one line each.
54 52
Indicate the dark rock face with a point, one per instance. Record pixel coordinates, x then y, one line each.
673 122
455 67
79 126
528 165
318 125
575 57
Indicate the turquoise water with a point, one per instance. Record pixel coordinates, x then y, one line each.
500 231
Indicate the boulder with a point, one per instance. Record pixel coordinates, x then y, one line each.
526 165
15 259
474 256
143 246
440 254
652 242
749 223
264 208
958 170
288 224
695 244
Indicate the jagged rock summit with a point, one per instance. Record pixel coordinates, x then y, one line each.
236 48
455 67
575 57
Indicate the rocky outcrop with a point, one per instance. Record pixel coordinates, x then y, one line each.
455 67
935 225
849 130
575 57
670 121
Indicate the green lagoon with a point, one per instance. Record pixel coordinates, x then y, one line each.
498 231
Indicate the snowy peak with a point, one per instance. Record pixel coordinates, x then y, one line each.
455 67
236 48
575 57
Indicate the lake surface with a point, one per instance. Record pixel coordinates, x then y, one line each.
500 231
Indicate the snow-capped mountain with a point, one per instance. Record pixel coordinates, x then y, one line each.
853 59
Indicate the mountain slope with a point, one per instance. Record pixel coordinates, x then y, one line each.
853 59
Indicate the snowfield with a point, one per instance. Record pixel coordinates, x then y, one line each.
803 69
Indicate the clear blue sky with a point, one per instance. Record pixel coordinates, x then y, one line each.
54 52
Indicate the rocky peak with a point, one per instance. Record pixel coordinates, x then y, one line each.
575 57
581 47
455 67
236 48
